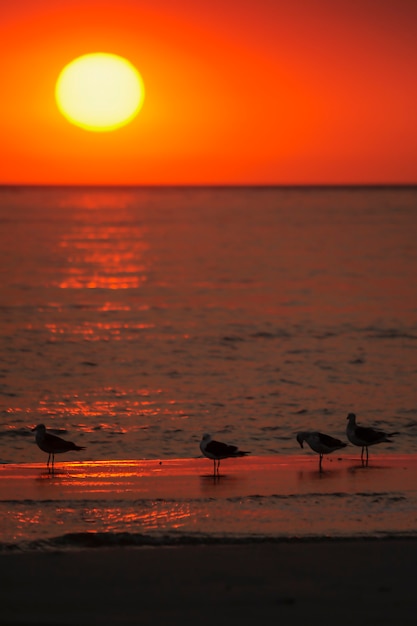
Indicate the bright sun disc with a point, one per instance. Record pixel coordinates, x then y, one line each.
99 92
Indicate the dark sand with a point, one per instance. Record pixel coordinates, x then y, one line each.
328 582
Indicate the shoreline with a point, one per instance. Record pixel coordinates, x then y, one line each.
96 542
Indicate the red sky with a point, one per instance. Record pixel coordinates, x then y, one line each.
237 92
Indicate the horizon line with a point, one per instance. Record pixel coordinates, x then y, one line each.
345 185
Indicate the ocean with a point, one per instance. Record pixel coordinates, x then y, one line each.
133 320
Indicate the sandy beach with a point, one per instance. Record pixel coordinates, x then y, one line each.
342 582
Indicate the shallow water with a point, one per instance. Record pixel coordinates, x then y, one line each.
176 502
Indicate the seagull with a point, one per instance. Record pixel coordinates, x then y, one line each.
52 444
365 436
216 450
320 443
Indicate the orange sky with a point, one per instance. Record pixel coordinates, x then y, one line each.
237 92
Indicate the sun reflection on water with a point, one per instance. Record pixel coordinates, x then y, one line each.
145 516
37 520
98 331
104 253
112 406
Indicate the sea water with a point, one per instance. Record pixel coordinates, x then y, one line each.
133 320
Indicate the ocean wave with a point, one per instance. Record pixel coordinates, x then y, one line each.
146 502
106 540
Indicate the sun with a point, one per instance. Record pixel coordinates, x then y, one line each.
99 92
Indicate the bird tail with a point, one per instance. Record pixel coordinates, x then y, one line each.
242 453
392 434
78 447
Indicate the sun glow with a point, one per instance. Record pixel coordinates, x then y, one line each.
99 92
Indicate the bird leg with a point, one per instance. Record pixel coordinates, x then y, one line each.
320 460
51 463
364 451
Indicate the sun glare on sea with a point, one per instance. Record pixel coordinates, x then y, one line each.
99 92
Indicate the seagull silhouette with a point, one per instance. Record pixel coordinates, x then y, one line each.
51 444
320 443
364 436
216 450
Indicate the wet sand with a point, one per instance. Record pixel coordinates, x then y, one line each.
99 503
340 582
175 478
